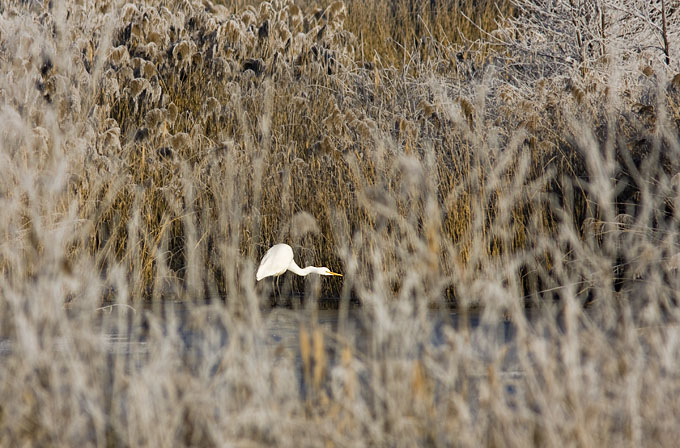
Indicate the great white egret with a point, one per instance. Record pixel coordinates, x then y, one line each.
279 259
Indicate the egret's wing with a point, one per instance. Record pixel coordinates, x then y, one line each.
275 261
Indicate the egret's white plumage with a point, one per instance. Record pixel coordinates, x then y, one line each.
279 259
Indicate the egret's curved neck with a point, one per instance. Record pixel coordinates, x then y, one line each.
302 271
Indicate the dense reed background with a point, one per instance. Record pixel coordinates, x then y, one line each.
495 156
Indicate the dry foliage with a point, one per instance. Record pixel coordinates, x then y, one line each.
152 151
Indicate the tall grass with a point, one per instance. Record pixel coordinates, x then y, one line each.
152 152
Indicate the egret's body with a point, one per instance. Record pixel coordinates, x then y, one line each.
279 259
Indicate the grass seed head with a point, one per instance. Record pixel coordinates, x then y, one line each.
182 53
155 118
181 142
137 86
301 224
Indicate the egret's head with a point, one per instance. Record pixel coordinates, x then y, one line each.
326 271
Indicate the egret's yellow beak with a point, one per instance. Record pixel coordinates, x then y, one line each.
335 273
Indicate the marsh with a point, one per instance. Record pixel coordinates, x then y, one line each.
497 182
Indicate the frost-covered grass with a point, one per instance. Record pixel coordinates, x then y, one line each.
153 151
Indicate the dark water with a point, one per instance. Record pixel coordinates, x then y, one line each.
282 327
198 333
129 331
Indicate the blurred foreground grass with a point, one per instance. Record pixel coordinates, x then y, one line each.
155 150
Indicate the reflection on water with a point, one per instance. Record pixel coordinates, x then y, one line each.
197 336
192 325
199 330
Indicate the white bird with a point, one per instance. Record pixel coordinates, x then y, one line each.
279 259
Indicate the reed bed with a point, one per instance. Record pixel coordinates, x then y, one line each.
522 169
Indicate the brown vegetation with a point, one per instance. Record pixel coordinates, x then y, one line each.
156 150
